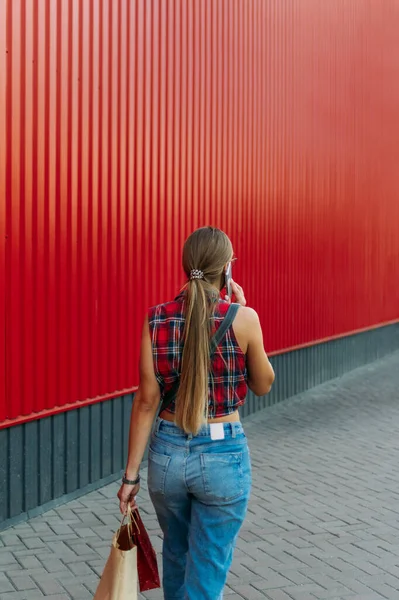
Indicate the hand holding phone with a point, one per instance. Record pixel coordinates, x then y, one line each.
233 288
238 293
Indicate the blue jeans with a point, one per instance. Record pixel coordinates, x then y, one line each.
200 490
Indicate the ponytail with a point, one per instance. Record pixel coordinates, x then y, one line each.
206 251
192 397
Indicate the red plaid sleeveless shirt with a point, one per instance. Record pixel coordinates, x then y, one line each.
227 382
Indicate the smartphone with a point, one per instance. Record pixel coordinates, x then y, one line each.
229 291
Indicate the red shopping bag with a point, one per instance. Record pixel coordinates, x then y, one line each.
147 565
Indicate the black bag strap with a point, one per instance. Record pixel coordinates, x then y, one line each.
215 341
226 323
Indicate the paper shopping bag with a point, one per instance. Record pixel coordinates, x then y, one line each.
147 565
119 578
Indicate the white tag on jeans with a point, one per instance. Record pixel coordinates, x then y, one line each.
217 431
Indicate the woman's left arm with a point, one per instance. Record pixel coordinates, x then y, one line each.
145 405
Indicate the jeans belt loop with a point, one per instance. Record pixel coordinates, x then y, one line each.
233 430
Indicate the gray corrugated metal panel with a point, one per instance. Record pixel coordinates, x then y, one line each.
73 450
4 480
45 461
84 446
305 368
118 451
95 442
16 470
59 465
31 473
53 458
106 439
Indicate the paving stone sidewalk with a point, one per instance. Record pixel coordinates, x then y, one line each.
323 520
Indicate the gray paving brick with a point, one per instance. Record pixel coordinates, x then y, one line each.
323 520
339 591
294 577
58 597
278 595
22 582
6 558
48 585
33 543
52 564
29 562
248 592
30 595
5 584
357 587
272 581
77 591
363 597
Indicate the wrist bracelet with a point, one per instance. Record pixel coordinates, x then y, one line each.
131 481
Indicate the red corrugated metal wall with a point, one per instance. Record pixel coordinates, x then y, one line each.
125 125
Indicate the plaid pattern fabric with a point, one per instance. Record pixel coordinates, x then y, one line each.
227 384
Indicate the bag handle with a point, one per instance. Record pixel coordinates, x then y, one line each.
215 341
131 519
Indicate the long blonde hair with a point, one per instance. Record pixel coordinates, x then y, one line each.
207 249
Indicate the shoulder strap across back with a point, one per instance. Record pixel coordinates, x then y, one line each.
224 326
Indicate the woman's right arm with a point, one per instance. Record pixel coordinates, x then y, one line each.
260 371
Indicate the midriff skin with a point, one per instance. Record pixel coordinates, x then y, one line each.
232 418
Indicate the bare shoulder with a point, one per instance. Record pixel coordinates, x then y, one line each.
247 316
244 326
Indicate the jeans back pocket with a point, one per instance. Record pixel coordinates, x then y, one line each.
157 468
224 475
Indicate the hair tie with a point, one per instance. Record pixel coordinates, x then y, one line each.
196 274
